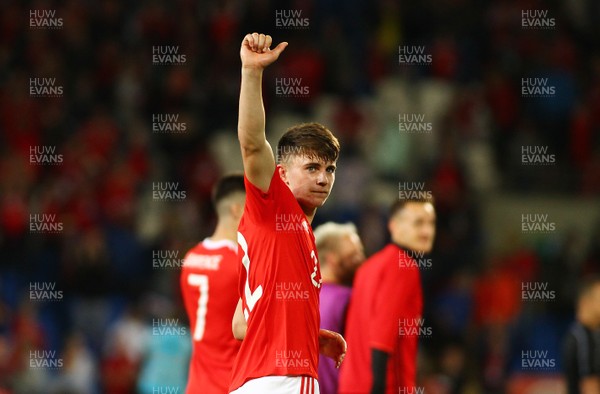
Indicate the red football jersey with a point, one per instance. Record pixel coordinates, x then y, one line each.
384 313
209 286
279 285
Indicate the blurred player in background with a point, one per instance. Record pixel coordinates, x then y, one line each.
387 296
340 253
209 279
280 278
581 352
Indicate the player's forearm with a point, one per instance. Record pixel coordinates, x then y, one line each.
238 323
251 121
239 331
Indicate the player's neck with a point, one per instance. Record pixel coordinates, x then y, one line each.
310 214
405 248
224 231
587 320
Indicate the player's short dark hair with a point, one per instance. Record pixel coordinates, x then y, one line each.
587 285
312 140
226 186
399 204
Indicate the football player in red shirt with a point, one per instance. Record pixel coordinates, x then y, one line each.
280 278
385 313
208 281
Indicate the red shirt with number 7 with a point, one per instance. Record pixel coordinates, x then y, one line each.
209 287
279 284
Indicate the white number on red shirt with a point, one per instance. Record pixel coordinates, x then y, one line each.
251 297
314 274
201 281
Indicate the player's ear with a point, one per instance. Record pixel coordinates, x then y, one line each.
283 173
391 225
236 210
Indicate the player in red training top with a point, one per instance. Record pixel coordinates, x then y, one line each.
384 317
209 280
279 275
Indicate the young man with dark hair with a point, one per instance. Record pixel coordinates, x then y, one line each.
280 277
581 351
208 283
386 307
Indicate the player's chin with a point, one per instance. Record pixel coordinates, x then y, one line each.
314 200
426 247
319 200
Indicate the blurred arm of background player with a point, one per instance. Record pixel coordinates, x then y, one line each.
257 155
379 361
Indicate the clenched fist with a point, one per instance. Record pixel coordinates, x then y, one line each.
332 345
256 52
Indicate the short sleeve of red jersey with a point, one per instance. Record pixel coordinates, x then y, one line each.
256 199
256 209
393 296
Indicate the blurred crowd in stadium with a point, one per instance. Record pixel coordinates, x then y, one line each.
102 261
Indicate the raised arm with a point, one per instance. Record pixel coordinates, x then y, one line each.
257 155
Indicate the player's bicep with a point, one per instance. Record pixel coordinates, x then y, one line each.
259 164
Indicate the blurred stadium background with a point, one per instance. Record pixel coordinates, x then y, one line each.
112 262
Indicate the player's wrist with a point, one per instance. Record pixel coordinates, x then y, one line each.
251 70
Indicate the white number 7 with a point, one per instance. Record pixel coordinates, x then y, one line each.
202 282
